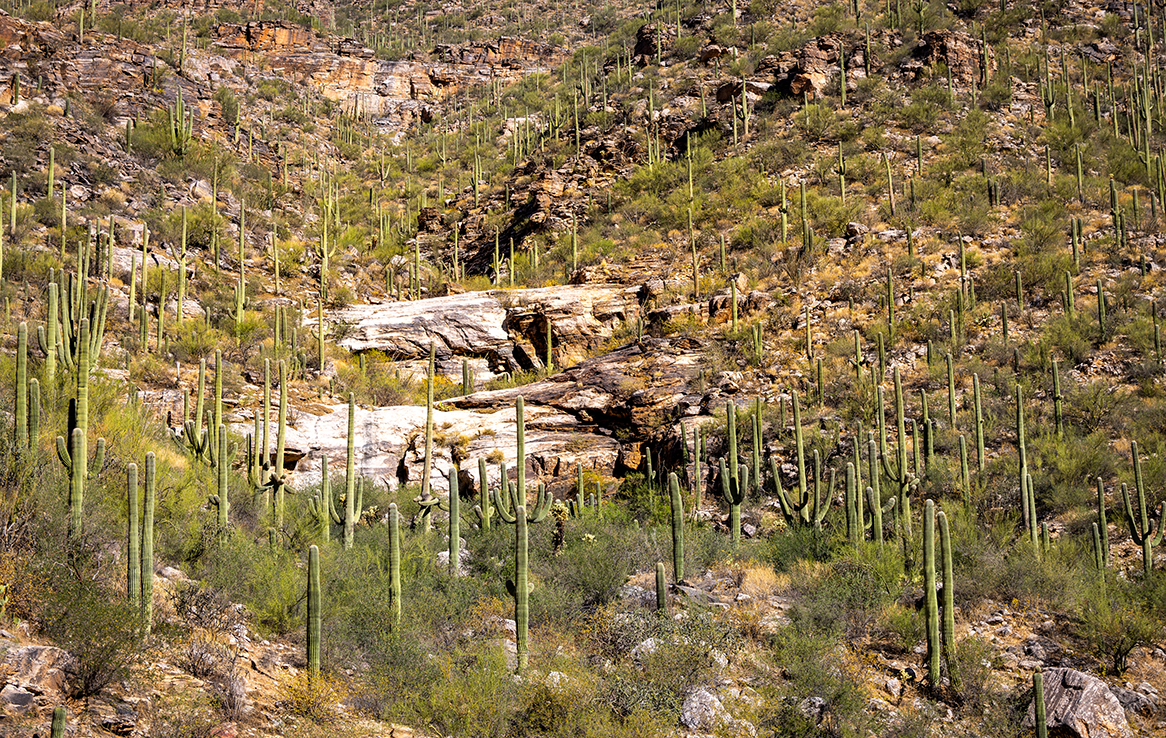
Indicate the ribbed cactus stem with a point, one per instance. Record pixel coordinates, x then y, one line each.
455 530
133 544
519 587
395 563
49 334
731 426
948 625
313 635
221 500
661 589
58 726
147 575
677 528
931 601
483 509
20 435
1038 701
1102 523
1146 528
280 437
427 466
520 421
350 511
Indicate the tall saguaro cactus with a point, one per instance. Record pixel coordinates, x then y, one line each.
147 575
520 586
133 552
313 635
395 563
931 601
677 528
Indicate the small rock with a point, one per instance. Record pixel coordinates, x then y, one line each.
813 708
16 699
703 711
893 687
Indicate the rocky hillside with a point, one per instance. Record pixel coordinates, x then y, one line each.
733 370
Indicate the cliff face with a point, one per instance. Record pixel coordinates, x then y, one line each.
350 74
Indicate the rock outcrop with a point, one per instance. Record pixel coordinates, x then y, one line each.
505 328
1080 705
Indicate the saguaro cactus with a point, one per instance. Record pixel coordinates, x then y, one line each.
48 334
133 551
677 528
661 589
948 624
395 563
520 587
58 727
147 575
20 432
454 508
931 601
734 493
1146 528
220 500
483 510
351 509
313 635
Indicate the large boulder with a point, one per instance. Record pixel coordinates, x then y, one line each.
1080 705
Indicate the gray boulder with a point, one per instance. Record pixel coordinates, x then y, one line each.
1080 705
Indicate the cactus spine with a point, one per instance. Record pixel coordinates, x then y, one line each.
734 493
313 635
807 507
219 500
48 335
677 529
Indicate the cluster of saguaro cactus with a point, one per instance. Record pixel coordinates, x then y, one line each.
206 445
26 420
940 636
75 456
1146 527
808 507
140 543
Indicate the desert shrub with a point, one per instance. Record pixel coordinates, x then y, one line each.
98 627
1114 621
815 665
313 698
971 666
848 595
264 579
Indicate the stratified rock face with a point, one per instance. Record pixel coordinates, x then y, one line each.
506 327
1078 704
